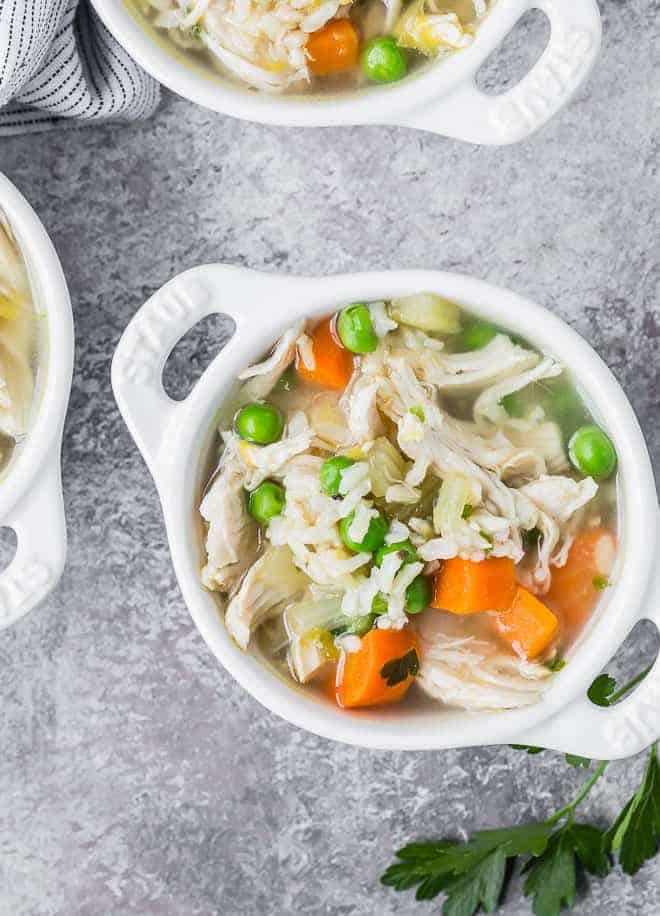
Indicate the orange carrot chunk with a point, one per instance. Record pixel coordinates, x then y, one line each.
528 626
465 587
333 363
361 680
333 48
576 586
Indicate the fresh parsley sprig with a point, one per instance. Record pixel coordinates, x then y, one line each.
473 875
635 834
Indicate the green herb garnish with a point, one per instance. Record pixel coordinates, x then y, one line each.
418 412
601 690
530 538
635 834
600 583
467 511
397 670
473 875
576 761
528 748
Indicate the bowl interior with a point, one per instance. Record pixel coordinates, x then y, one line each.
424 725
54 334
375 104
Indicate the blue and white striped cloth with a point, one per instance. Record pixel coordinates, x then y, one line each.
59 65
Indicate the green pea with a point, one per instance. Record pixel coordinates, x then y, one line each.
477 334
373 539
330 474
266 501
592 453
356 330
383 61
404 547
259 423
418 595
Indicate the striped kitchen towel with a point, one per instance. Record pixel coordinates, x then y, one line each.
60 65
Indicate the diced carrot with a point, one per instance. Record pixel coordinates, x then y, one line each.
573 593
466 587
528 626
360 681
333 48
333 364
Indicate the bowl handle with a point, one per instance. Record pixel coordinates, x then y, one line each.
467 113
622 730
38 521
156 328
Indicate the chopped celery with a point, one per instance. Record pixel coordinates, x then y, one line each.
379 605
387 466
452 499
356 626
427 312
322 614
325 641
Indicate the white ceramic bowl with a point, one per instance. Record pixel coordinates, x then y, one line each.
31 492
442 98
175 439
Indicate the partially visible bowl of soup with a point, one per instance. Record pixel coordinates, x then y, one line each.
36 356
356 61
412 518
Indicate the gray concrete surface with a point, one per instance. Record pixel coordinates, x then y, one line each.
135 776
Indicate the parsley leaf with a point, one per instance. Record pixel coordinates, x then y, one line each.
398 669
530 538
552 877
481 886
530 748
556 664
575 761
635 834
471 874
601 690
467 511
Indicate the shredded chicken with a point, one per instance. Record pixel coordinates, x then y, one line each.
263 43
272 582
471 673
265 375
429 463
231 538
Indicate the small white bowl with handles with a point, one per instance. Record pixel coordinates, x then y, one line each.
443 98
175 439
31 493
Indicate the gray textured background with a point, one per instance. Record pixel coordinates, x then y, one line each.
135 777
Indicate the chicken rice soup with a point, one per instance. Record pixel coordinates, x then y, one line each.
18 344
306 45
410 502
